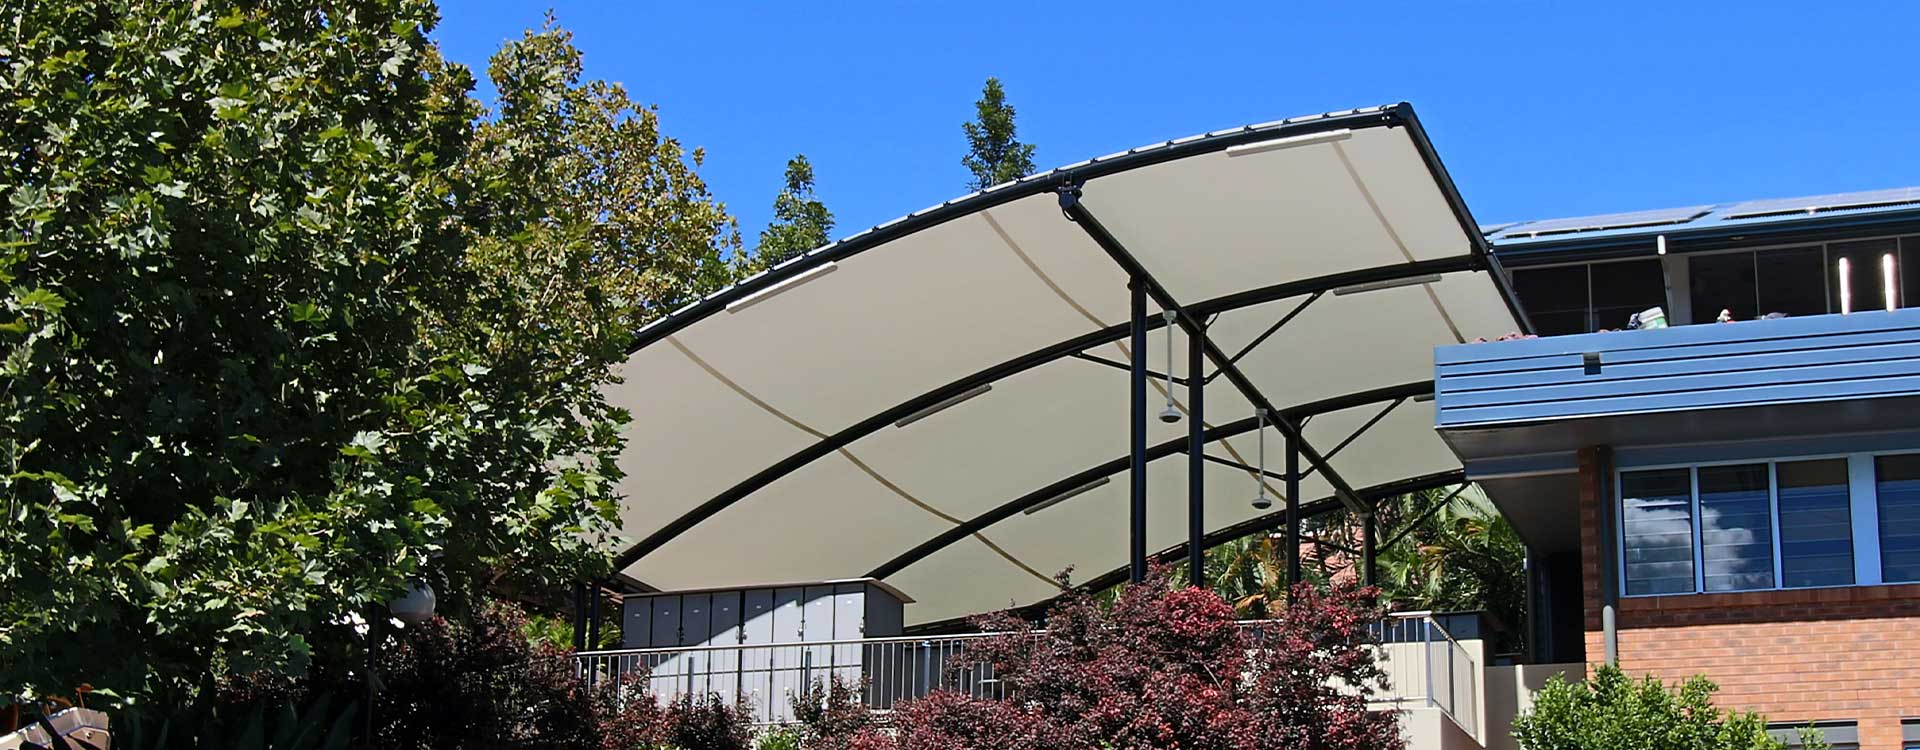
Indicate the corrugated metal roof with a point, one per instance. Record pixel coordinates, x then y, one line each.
1704 218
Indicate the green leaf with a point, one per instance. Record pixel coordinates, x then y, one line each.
41 298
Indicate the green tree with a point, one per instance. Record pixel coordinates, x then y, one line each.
283 331
1462 556
800 221
994 154
1613 712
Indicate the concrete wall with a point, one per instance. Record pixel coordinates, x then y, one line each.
1429 729
1509 694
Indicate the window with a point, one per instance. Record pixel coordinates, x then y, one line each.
1839 735
1722 282
1736 528
1555 299
1624 288
1909 270
1764 525
1897 485
1863 273
1656 523
1789 281
1816 523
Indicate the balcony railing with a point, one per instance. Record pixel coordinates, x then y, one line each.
1425 666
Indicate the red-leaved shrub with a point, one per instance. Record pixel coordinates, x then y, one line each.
1162 668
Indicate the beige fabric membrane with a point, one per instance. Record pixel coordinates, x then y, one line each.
765 446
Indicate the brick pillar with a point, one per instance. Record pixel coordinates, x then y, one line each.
1593 559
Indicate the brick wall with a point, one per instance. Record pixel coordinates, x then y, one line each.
1848 653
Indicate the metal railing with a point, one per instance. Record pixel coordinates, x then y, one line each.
1424 666
767 678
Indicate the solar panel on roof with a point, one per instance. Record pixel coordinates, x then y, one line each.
1819 204
1653 218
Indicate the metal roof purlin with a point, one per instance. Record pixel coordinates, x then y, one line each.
1077 211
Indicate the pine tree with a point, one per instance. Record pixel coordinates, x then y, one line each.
994 154
800 221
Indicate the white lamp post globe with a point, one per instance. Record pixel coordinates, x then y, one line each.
416 605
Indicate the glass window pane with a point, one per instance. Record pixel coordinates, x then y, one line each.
1816 523
1909 271
1656 523
1721 282
1555 298
1791 281
1623 288
1736 527
1897 483
1863 260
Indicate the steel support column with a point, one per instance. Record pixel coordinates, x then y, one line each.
1190 321
579 617
1196 461
1293 512
1368 570
1137 507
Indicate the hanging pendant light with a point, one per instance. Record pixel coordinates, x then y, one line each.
1260 499
1171 414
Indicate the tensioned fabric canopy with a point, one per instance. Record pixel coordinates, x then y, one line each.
914 402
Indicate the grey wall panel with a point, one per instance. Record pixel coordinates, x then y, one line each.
885 615
818 625
787 663
636 623
756 613
696 616
666 621
695 619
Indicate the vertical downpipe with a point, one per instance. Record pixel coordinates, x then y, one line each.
1609 584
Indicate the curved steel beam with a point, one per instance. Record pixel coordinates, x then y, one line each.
1254 525
1115 466
1045 182
1017 365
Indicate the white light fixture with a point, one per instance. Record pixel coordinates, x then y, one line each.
1660 245
1278 144
1887 290
415 606
802 278
1260 499
1846 288
1171 414
943 404
1374 286
1062 497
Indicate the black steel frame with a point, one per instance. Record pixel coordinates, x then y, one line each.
1190 317
1155 452
1213 539
1023 363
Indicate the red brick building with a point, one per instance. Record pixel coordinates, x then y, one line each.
1739 500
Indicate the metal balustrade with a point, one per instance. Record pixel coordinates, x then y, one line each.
1425 666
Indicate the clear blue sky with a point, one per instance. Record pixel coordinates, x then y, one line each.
1538 110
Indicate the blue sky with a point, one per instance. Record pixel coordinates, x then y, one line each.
1538 110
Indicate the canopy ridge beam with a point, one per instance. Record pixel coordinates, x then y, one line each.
1077 212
